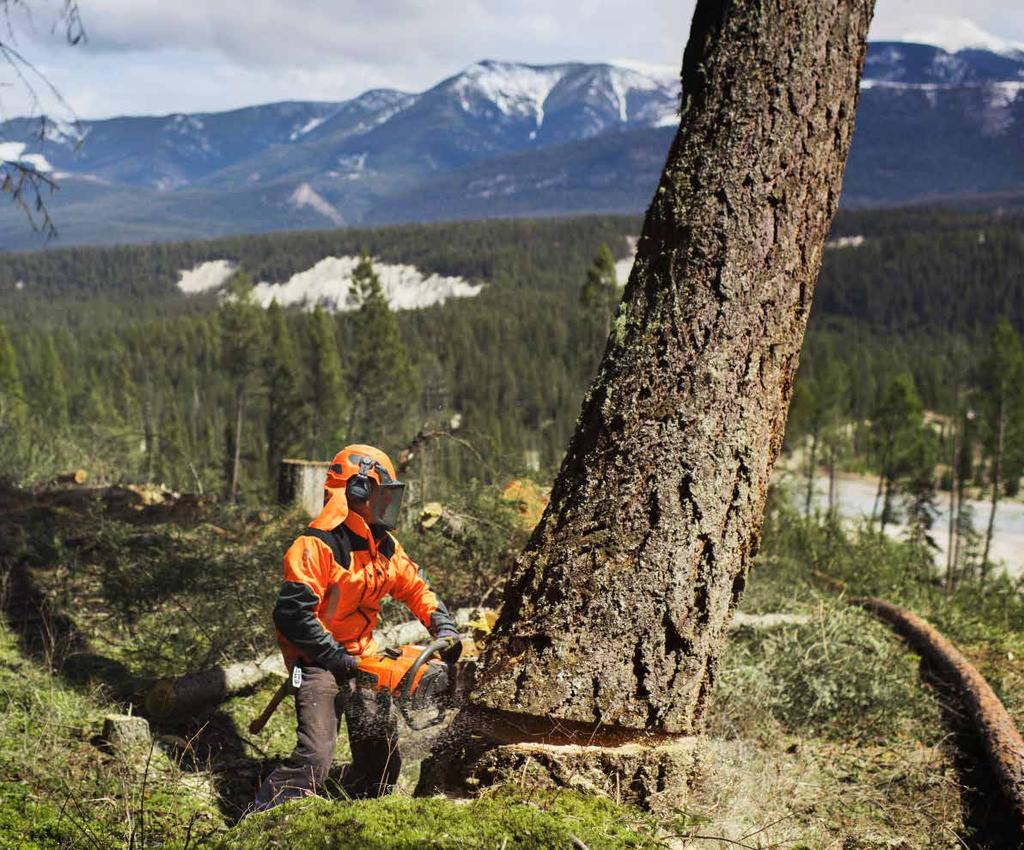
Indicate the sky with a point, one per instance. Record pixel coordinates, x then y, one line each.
154 57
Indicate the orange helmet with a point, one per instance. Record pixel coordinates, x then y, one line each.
366 474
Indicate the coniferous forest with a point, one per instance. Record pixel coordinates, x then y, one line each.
107 366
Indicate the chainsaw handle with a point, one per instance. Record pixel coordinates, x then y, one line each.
410 676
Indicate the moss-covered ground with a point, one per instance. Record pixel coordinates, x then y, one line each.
821 734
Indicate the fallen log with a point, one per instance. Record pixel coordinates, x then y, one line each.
413 631
175 697
78 477
1002 743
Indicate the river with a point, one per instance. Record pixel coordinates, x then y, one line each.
856 495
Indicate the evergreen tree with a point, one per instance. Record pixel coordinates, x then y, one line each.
895 427
326 398
600 293
283 381
1002 403
49 387
241 325
12 393
382 382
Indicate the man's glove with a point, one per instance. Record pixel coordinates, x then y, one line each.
342 662
451 654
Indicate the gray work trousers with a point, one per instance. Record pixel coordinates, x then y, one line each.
320 703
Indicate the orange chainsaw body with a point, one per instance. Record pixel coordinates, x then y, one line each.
384 672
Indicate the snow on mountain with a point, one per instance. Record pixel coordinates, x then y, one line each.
667 76
517 90
205 276
15 152
308 127
523 91
306 196
956 34
329 285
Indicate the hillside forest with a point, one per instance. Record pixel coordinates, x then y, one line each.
909 371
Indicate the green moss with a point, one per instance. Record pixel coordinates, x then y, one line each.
506 819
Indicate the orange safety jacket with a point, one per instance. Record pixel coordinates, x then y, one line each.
327 606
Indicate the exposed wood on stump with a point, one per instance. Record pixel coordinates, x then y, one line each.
618 608
1003 744
126 732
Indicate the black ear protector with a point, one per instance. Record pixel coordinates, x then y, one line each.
359 487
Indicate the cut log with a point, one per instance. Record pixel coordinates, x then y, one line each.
1003 744
176 697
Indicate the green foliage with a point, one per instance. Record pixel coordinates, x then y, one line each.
326 397
383 388
841 676
600 293
286 409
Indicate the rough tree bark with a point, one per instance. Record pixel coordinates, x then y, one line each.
613 620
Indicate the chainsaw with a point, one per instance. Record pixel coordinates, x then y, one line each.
415 680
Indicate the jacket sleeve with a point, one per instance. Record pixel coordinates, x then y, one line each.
412 590
306 576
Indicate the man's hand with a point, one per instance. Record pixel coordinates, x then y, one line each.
342 662
451 654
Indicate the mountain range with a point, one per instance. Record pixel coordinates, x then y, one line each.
497 139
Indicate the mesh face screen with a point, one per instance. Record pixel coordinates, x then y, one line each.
386 503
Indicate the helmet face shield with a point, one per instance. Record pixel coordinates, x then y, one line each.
386 503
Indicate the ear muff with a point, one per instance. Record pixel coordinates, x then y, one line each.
359 487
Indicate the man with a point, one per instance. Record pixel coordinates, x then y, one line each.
335 576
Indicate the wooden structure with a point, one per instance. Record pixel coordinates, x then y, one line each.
302 482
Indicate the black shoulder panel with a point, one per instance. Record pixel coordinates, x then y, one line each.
337 543
386 546
354 541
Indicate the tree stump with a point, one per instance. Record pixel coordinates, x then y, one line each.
301 482
126 733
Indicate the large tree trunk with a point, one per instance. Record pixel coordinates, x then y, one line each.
618 608
615 616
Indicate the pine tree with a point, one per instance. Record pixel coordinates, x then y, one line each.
241 331
1002 402
895 429
382 382
12 393
283 381
600 294
615 616
325 391
49 390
